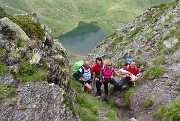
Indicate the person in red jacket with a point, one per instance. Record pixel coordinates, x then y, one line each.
95 70
129 70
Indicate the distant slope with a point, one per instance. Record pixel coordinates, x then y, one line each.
63 15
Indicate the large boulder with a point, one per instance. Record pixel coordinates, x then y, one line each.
37 102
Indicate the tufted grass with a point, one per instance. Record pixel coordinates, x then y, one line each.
128 96
6 90
153 72
3 69
90 107
170 112
159 60
32 29
148 102
31 73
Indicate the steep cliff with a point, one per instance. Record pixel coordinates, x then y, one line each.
33 71
153 40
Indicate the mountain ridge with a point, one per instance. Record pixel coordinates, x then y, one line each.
110 15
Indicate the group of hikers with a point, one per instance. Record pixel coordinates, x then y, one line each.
102 73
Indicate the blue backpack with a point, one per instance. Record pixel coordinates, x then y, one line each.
128 61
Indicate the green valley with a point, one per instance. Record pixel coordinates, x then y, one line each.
63 15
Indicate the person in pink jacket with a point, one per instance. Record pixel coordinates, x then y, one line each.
106 76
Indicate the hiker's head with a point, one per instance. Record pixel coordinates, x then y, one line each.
86 64
108 63
132 64
99 60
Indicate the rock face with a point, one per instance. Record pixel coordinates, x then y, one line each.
27 65
150 39
37 101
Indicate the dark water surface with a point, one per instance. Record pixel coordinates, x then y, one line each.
83 39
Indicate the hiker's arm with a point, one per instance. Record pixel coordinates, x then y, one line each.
115 72
77 75
101 76
138 76
123 72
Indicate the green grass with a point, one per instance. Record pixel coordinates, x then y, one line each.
159 60
90 107
148 102
31 73
153 72
128 96
3 69
63 15
6 90
32 29
169 112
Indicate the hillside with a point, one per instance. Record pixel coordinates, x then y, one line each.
153 40
63 15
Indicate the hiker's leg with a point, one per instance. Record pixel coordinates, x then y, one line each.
85 88
98 87
105 87
116 86
131 84
89 88
123 81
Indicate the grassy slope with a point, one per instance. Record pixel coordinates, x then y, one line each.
63 15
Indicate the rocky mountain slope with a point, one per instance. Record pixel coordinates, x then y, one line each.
153 40
29 59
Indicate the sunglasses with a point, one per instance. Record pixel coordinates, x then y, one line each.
109 65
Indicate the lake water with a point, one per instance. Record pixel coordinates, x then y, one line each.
82 39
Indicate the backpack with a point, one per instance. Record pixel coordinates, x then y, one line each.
128 61
78 65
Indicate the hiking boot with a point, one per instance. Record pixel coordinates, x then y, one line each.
98 93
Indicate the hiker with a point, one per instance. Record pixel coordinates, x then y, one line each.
132 74
106 76
84 76
95 70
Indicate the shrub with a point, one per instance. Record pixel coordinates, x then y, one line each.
153 72
169 112
148 102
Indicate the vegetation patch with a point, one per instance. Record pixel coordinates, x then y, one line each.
128 96
32 29
159 60
31 73
3 69
148 102
169 112
20 43
6 90
89 107
153 72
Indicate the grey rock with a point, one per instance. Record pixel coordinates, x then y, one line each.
38 101
175 68
6 22
176 55
170 43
